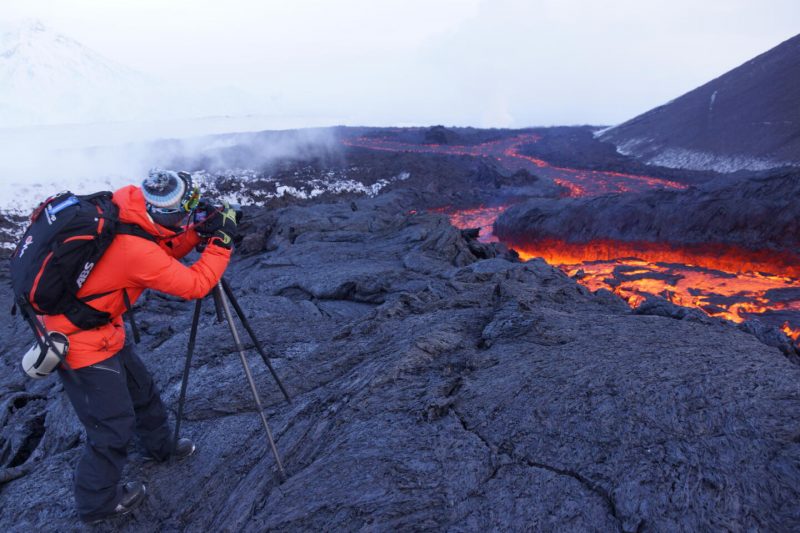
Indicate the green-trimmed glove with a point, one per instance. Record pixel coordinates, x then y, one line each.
223 223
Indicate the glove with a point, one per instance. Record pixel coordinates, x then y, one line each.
221 227
206 219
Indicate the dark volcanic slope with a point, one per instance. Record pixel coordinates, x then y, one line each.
748 118
754 213
435 388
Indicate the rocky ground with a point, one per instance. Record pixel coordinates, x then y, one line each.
441 180
438 383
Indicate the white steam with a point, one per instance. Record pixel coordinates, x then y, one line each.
37 162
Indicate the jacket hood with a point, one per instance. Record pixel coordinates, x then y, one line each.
133 210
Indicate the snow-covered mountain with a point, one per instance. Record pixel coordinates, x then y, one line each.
50 78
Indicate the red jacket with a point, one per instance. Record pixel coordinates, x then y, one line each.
135 264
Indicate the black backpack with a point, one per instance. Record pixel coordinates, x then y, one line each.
66 237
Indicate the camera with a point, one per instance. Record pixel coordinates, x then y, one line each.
207 210
212 218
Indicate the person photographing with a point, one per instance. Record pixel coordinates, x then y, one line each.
115 397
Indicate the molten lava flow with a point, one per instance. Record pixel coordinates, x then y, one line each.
574 190
507 153
479 217
722 257
792 333
722 280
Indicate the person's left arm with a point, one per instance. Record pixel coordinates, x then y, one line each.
180 245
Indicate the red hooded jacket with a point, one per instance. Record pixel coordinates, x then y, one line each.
135 264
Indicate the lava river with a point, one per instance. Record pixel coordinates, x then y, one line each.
723 281
507 153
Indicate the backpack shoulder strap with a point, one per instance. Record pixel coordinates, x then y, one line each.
131 316
135 230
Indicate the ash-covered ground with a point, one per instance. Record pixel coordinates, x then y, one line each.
438 382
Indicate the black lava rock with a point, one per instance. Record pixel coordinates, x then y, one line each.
432 390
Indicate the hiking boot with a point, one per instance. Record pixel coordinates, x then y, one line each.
184 448
133 493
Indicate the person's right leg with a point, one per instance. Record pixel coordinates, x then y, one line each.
103 405
152 425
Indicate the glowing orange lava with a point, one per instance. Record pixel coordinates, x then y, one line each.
722 257
479 217
722 280
792 333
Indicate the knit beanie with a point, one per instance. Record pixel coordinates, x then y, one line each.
164 191
164 188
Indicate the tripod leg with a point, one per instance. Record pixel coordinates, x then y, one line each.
185 381
218 306
252 334
229 318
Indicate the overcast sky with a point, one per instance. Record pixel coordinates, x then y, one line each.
461 62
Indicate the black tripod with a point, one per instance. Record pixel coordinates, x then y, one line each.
223 294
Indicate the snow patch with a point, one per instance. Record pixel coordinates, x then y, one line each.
699 160
247 187
602 131
318 187
711 101
685 158
283 190
629 147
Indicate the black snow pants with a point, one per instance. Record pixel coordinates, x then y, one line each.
115 399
